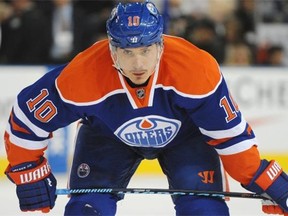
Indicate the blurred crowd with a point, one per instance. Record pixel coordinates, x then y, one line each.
54 31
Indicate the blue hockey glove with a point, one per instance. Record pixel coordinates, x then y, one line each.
272 181
36 185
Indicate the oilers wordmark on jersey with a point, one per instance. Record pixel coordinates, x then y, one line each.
148 131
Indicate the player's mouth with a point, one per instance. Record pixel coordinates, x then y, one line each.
138 73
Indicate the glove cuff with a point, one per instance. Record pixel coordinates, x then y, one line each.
267 173
29 175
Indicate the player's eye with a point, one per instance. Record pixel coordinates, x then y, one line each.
127 52
145 51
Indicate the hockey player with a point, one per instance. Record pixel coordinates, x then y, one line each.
139 94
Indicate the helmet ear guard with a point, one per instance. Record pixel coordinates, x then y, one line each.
134 25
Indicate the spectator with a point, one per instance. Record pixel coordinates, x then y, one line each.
236 42
175 19
275 56
5 11
218 10
203 34
272 55
238 54
95 25
234 32
273 11
103 8
95 29
23 38
245 12
178 25
65 29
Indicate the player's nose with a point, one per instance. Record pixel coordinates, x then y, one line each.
138 61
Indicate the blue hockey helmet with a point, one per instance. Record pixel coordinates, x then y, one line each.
135 25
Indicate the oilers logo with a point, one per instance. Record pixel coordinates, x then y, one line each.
151 8
149 131
83 170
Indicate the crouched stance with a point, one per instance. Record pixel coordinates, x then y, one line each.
105 162
139 94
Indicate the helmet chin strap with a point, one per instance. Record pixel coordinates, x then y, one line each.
118 67
115 62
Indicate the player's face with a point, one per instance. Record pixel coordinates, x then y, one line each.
138 63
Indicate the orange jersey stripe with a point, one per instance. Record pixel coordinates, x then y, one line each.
17 155
15 126
242 166
215 142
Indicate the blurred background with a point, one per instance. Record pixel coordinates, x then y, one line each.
235 32
248 38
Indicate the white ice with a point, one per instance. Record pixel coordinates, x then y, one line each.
133 204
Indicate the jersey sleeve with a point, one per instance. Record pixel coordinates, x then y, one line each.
219 119
224 127
37 112
202 92
242 166
221 122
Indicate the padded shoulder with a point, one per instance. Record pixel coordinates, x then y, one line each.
189 69
81 81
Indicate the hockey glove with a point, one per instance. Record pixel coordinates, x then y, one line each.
36 185
272 181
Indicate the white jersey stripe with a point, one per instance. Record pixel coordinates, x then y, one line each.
22 117
130 98
225 182
237 148
26 144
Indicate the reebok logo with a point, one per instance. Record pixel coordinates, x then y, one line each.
207 176
49 182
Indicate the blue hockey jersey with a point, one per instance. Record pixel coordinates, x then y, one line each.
186 95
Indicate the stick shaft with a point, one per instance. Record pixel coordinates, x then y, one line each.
160 191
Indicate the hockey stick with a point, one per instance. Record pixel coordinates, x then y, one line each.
173 192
